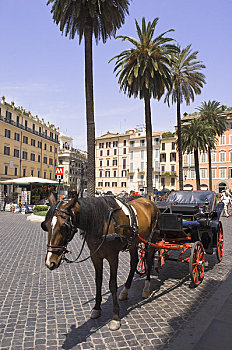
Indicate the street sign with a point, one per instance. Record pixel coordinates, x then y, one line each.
59 171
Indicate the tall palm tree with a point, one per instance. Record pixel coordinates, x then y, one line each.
98 18
187 80
196 137
210 112
144 71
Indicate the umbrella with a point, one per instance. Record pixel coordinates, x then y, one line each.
29 180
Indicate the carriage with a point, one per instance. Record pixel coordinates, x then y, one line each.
190 221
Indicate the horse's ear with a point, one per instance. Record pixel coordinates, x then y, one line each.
51 198
43 226
72 202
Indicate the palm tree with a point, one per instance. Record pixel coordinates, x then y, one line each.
144 71
187 80
98 18
210 112
196 137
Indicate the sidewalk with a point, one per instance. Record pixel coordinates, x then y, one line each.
211 328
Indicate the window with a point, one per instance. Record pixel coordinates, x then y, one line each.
108 152
142 143
163 146
38 173
142 154
40 130
213 157
17 120
114 184
163 181
50 161
203 173
101 153
108 144
16 136
115 143
185 159
107 184
51 135
40 144
173 145
132 143
6 150
162 168
203 157
142 166
131 155
131 167
50 148
100 184
25 139
222 140
24 155
115 152
124 163
214 173
55 150
101 145
191 159
107 173
45 160
33 127
6 170
24 172
123 184
123 173
156 141
45 146
45 174
8 116
115 162
15 171
173 180
124 142
32 172
222 156
107 162
230 139
156 165
39 158
163 157
32 142
124 150
192 174
100 163
185 173
16 153
222 173
32 157
131 178
7 133
50 176
172 157
173 168
26 124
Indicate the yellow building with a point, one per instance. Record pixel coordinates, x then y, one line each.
28 146
168 161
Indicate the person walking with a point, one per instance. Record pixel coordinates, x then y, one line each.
226 200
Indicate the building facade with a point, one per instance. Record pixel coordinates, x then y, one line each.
28 146
221 158
74 162
168 161
121 161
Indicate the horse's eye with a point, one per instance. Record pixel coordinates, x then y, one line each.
63 229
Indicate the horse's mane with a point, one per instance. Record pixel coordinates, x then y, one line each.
94 212
51 211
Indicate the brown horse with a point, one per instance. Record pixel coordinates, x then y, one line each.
109 229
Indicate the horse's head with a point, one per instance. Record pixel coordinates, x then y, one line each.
61 225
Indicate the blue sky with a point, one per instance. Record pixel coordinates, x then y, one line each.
44 71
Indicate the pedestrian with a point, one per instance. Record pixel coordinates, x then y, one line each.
226 200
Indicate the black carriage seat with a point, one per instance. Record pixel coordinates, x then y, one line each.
194 197
185 209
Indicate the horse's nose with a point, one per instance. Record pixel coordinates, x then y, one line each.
52 266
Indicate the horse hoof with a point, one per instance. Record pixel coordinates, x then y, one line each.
123 295
95 313
146 294
114 325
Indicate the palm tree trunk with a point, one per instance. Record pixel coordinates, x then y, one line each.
90 112
149 144
179 142
196 161
210 169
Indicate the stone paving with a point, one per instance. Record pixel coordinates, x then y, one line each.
42 309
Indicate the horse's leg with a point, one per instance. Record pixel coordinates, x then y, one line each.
115 324
149 261
98 265
133 264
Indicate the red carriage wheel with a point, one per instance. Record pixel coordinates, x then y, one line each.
197 263
142 266
229 209
220 243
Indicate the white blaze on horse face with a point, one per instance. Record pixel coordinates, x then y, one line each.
53 224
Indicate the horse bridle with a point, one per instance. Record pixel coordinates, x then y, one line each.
71 230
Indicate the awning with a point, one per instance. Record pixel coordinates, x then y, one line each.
29 180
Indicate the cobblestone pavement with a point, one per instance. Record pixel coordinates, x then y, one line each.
42 309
